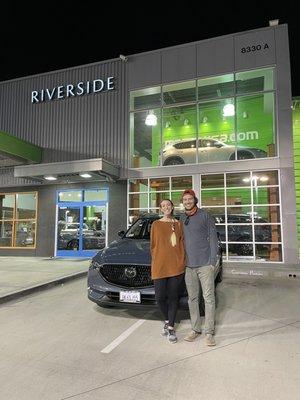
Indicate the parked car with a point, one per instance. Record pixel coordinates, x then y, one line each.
68 237
243 233
184 151
120 275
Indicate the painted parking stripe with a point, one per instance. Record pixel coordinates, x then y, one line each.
123 336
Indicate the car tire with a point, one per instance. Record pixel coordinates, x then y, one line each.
242 155
173 161
72 245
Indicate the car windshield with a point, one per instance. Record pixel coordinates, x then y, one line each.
140 229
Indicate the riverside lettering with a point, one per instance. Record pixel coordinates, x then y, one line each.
69 90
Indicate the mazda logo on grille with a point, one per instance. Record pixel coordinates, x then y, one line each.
130 272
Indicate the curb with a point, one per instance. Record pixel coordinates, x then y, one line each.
40 287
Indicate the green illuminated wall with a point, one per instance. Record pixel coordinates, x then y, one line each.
296 137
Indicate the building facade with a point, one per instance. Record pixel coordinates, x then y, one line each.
117 137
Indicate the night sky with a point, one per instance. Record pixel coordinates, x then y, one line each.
56 35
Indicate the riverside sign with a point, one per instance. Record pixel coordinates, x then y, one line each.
70 90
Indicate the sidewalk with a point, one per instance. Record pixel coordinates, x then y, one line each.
20 276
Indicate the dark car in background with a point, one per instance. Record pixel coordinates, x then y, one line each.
68 237
120 275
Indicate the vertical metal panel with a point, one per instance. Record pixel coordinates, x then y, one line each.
144 70
254 49
215 56
88 126
179 64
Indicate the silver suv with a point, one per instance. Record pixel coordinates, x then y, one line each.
184 151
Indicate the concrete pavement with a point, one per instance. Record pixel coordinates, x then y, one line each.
20 276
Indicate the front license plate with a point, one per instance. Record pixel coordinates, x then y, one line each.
130 297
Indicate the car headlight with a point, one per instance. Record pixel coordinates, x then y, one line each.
95 265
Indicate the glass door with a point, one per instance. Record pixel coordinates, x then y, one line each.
81 228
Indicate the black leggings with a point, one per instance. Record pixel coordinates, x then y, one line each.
166 294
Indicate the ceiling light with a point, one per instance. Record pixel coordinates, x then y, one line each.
204 120
168 124
186 122
50 177
151 119
245 114
85 175
263 178
228 110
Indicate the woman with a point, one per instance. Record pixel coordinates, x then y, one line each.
167 266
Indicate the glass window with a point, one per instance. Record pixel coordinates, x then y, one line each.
25 234
7 206
72 196
212 181
145 131
212 197
138 200
218 86
217 212
6 233
238 196
181 182
138 185
179 93
26 205
240 233
266 195
21 208
176 198
238 180
156 198
267 233
134 215
159 184
240 250
217 131
268 252
179 135
95 195
255 126
145 98
265 178
258 80
265 214
239 215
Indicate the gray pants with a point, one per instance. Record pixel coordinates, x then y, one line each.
195 279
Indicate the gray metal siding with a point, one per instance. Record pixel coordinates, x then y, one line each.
178 64
88 126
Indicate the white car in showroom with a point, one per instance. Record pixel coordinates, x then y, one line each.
184 151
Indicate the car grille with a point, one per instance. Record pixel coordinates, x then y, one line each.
127 275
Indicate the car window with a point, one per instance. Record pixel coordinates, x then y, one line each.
140 229
190 144
210 143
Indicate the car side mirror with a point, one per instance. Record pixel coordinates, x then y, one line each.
121 233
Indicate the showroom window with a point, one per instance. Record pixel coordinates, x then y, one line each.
144 195
246 207
223 118
18 214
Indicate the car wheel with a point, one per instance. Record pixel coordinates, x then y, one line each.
244 155
73 245
174 161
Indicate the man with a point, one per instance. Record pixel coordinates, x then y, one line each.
201 246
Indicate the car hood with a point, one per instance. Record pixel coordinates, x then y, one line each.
125 251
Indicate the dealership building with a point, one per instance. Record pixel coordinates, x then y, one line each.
84 151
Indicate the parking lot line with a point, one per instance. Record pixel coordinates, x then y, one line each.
123 336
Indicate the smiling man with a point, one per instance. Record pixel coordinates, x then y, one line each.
201 247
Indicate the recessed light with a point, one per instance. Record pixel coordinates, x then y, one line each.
50 177
85 175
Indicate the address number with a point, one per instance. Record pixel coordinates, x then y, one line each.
256 47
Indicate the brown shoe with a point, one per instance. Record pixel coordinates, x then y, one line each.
209 340
192 336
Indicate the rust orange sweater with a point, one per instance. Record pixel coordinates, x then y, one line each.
166 260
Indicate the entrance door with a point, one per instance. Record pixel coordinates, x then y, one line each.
81 229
